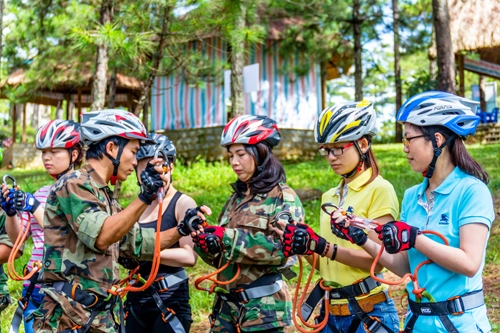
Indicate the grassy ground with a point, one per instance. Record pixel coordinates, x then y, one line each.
209 184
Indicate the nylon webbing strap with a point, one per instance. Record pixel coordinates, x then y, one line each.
266 285
354 290
170 280
454 306
168 315
22 304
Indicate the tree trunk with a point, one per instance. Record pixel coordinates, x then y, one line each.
482 92
156 62
112 90
101 68
445 57
237 59
35 118
1 31
23 134
358 62
14 122
397 67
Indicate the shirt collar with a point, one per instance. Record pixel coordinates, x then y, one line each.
94 175
446 186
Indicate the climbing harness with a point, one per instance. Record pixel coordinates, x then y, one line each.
329 290
162 284
31 276
265 285
453 306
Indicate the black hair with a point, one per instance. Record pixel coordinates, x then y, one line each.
459 155
266 178
79 158
96 150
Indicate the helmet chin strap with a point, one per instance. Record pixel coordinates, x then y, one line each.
116 163
362 159
437 152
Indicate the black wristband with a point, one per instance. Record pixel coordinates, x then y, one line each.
334 254
35 206
320 247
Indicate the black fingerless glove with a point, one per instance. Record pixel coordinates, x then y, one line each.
151 183
191 222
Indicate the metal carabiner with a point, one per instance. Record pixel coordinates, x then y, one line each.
166 165
324 208
278 216
14 182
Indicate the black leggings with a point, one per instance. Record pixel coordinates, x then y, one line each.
146 317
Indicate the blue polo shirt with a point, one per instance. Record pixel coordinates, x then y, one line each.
461 199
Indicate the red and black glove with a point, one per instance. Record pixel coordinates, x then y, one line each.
397 236
301 239
210 241
354 235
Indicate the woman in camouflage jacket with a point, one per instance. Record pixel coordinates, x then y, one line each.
258 300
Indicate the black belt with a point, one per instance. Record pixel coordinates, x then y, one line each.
454 306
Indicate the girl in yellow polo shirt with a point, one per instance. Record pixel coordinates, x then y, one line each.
358 303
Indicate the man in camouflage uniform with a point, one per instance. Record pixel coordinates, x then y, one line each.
5 248
86 229
247 239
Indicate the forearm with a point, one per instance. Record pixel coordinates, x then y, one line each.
13 227
355 258
116 226
178 257
451 258
38 215
396 263
169 238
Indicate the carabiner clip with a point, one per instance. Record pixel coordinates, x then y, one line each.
275 223
165 165
14 183
326 205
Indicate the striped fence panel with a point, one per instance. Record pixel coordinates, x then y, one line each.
293 101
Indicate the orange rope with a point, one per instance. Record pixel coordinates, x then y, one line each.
414 277
11 268
216 282
316 327
126 284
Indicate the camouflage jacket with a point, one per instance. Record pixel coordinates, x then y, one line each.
249 239
76 209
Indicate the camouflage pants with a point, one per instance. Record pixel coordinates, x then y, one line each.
258 315
4 291
58 313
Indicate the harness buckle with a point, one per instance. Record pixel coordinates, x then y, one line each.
458 305
241 294
23 303
169 316
161 285
374 326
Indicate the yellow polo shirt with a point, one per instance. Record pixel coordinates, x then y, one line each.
370 201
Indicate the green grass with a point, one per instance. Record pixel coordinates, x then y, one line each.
209 184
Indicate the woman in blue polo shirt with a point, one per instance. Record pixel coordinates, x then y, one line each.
454 201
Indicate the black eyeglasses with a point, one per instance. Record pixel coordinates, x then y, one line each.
336 151
406 141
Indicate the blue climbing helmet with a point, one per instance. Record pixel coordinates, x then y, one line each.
441 108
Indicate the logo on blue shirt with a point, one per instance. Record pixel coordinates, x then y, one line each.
444 219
